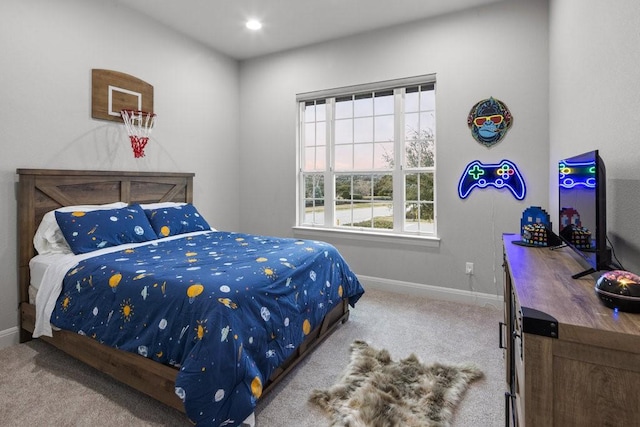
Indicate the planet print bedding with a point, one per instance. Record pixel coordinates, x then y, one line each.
225 308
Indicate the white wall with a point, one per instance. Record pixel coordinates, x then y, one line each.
499 50
47 52
595 104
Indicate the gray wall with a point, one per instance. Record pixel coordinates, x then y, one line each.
48 50
499 50
567 69
595 104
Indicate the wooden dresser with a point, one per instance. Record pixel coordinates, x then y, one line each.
571 361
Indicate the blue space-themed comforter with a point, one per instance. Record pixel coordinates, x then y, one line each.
225 308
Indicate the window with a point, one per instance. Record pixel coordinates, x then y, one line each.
367 158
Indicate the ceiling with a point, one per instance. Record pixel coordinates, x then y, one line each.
287 24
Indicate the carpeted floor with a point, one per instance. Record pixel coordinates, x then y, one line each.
40 386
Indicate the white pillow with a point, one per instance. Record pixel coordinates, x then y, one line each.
49 239
161 205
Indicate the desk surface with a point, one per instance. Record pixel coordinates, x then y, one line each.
542 281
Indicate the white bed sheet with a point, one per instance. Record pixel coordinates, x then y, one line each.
48 271
39 265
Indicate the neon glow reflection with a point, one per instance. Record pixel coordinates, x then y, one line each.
574 174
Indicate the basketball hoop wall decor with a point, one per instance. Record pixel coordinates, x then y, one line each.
120 97
139 125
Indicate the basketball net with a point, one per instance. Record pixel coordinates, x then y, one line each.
139 125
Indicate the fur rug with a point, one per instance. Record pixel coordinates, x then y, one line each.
375 391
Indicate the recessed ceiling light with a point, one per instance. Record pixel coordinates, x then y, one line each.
253 24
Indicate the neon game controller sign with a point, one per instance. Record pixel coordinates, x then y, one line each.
500 175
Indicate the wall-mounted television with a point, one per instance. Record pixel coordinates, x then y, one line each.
582 221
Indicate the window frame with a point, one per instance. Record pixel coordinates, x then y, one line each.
399 172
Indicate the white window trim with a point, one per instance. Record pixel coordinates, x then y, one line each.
367 87
366 234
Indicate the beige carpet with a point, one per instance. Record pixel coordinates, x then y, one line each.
40 386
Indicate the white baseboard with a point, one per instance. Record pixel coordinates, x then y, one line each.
9 337
435 292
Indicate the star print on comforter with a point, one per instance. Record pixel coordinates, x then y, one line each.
226 308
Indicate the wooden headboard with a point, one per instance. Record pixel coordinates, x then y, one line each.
42 190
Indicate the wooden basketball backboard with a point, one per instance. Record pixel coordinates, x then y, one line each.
113 91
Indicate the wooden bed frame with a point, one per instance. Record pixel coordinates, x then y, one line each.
42 190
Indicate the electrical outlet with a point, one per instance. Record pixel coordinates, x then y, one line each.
468 269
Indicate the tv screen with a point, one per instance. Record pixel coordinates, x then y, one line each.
582 218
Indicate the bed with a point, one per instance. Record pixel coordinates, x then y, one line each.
165 378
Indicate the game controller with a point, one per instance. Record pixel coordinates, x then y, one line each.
498 175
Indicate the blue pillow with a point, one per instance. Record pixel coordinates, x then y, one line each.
89 231
170 221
